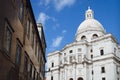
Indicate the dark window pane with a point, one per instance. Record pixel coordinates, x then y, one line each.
103 78
52 64
51 77
103 69
70 51
30 70
26 63
34 74
18 54
7 38
102 52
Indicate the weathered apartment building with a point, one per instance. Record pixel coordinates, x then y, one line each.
22 44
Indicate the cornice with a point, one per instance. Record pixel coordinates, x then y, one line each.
75 44
91 29
103 38
53 53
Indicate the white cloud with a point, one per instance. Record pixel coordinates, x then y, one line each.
42 18
40 3
47 2
57 41
64 31
55 26
53 19
60 4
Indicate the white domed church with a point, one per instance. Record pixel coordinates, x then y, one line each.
94 55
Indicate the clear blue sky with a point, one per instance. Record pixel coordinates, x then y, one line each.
61 18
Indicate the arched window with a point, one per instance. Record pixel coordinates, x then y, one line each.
95 36
83 38
71 79
80 78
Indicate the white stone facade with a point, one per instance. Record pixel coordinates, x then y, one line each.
94 55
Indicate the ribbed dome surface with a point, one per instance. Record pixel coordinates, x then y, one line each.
90 24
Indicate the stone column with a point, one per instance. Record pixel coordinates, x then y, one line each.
65 73
85 67
60 75
74 69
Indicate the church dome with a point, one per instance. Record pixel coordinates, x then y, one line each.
89 27
90 24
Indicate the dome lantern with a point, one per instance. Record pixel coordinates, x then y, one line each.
89 14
